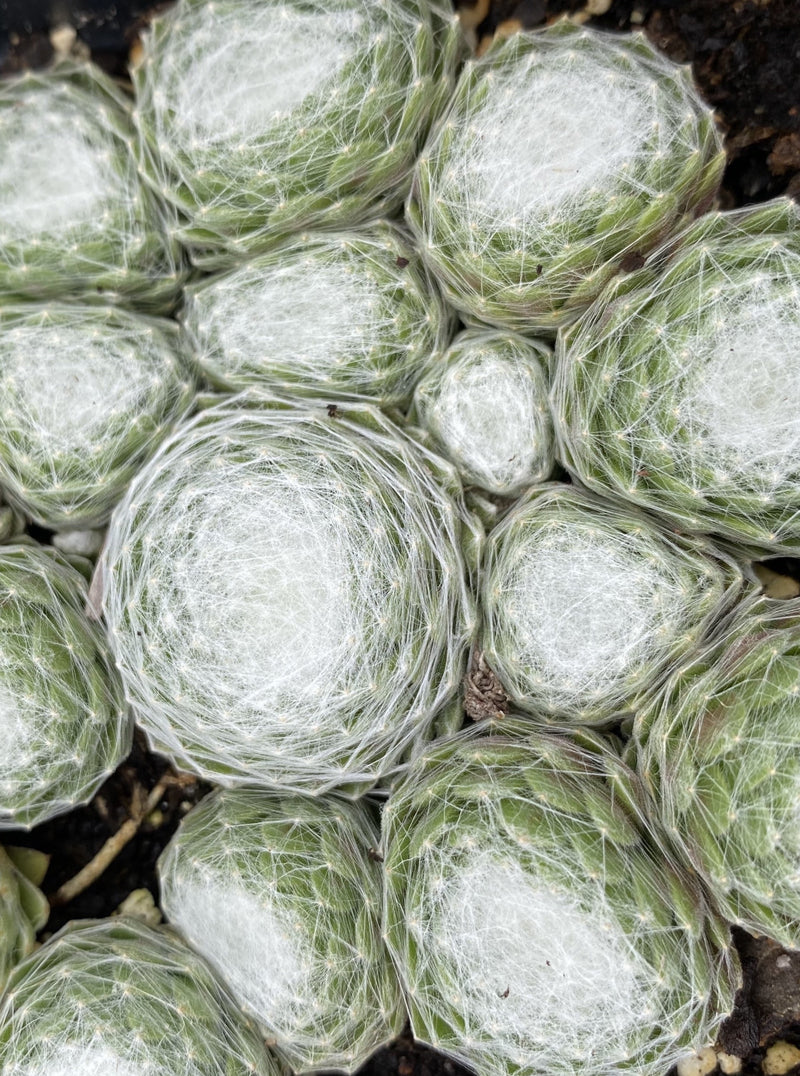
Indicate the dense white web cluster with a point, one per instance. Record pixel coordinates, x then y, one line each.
259 119
74 217
117 998
353 314
64 725
564 153
585 605
679 390
24 909
718 751
533 929
285 594
86 395
280 894
485 405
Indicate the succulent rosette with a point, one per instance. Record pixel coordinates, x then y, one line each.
720 752
23 907
534 926
63 716
485 405
282 895
676 391
86 395
565 155
74 215
261 119
285 594
351 314
586 606
116 996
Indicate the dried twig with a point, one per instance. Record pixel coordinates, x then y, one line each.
114 845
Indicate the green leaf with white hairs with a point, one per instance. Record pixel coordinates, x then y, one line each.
535 933
676 391
282 894
116 996
65 724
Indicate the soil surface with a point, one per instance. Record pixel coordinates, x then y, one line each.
746 59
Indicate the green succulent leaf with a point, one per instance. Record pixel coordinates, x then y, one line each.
282 896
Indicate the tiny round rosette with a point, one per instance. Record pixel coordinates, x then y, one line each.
485 405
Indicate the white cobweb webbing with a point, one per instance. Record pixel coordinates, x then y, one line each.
523 953
54 173
682 396
548 132
285 595
220 87
261 951
353 314
93 1059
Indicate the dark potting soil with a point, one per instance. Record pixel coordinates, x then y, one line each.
746 58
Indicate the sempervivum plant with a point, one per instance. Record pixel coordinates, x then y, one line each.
282 895
64 722
677 390
485 405
352 314
86 395
566 153
259 119
23 907
534 928
719 750
116 998
74 214
285 594
586 605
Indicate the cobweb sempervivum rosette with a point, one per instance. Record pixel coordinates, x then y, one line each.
285 594
281 895
720 750
260 119
117 997
64 723
352 314
677 390
485 405
534 928
565 154
23 907
586 605
74 215
86 395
